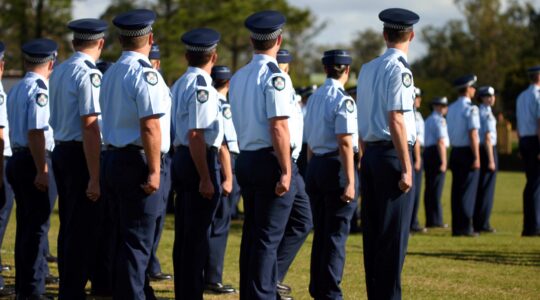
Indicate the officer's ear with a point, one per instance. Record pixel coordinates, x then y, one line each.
412 36
101 44
279 40
151 39
214 57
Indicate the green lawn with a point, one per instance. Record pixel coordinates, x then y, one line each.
497 266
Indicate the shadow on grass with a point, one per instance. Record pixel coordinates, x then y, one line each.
493 257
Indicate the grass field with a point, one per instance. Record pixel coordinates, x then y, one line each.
495 266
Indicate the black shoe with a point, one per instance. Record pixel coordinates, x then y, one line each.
488 230
530 234
437 226
51 279
5 268
219 288
6 291
283 289
418 230
160 277
51 259
469 234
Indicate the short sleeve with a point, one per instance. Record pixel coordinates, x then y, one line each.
38 110
492 123
346 117
400 91
149 95
441 131
201 108
473 120
3 110
88 93
278 96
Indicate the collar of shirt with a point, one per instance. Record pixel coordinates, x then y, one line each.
36 76
222 97
436 113
485 107
333 82
202 72
84 56
396 52
535 88
465 99
264 57
136 55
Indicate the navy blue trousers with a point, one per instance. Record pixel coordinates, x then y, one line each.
136 213
32 214
298 227
194 216
266 217
486 191
434 187
332 222
530 149
386 218
417 188
154 266
6 204
80 218
464 188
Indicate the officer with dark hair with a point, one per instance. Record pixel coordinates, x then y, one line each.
388 132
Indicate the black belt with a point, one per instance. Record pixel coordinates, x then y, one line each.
20 149
384 144
68 143
208 148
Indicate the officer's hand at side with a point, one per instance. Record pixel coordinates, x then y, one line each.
42 181
152 183
283 185
417 165
405 184
491 167
206 188
227 187
93 190
443 168
348 193
476 164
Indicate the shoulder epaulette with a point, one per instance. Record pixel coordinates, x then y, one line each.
273 67
41 84
404 62
201 81
344 92
144 63
90 64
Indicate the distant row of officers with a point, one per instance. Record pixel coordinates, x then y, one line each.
121 140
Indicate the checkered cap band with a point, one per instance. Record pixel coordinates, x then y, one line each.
39 60
136 32
266 36
200 48
398 27
84 36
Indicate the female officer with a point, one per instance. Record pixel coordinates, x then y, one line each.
330 123
488 161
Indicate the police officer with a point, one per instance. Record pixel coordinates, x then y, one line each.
436 142
331 181
417 161
528 116
154 267
300 220
388 131
197 166
261 102
27 171
135 105
74 106
463 126
488 161
219 230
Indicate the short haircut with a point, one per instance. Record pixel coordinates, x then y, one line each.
463 90
220 83
397 35
84 44
31 66
263 45
199 58
534 77
133 42
335 71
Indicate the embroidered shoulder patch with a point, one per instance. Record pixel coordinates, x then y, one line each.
406 78
42 99
202 96
95 79
227 114
349 105
278 83
151 77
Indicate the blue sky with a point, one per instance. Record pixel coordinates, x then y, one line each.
344 17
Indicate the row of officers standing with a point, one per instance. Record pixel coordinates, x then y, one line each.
122 140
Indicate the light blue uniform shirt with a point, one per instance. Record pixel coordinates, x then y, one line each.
528 111
75 85
488 124
462 117
420 130
259 92
330 111
296 127
385 84
229 132
4 121
28 109
436 129
196 106
133 90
